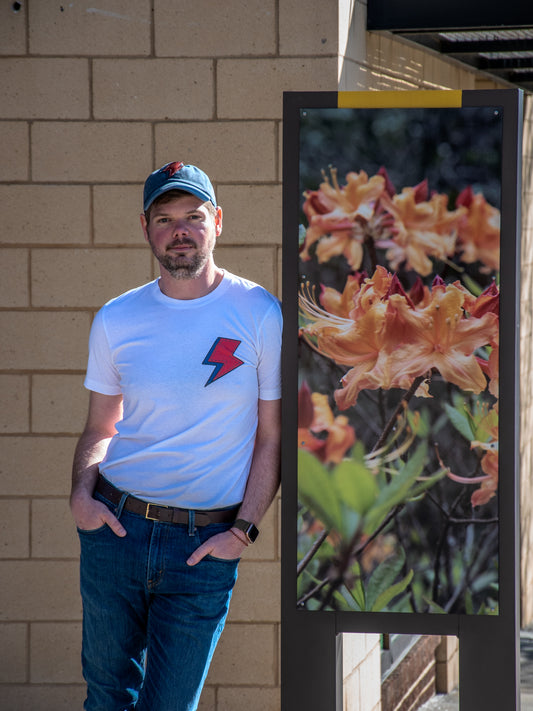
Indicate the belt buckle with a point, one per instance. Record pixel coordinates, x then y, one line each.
147 512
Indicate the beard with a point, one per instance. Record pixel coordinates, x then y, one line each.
181 266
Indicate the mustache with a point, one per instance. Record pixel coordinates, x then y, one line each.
185 242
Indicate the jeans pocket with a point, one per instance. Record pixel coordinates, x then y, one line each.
92 531
221 560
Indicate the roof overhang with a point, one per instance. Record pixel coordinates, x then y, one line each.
496 38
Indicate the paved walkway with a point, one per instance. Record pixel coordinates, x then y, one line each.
450 702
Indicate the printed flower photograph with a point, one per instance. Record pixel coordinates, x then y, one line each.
399 251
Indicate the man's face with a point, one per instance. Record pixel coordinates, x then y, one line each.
182 234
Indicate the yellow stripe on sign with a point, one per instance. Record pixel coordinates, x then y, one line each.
399 99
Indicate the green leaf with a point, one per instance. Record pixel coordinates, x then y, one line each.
434 607
301 235
358 591
348 599
384 576
316 489
389 594
398 490
356 486
461 421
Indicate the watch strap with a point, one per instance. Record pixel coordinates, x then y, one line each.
250 530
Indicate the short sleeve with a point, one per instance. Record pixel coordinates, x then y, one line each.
102 376
269 364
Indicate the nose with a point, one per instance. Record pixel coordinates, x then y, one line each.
181 227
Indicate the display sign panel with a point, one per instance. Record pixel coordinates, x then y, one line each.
398 362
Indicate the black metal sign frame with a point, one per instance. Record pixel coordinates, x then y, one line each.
488 644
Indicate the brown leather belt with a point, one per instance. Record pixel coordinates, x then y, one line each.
164 514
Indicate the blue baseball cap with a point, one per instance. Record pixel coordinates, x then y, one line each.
177 176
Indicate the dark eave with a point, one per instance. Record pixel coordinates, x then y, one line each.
496 38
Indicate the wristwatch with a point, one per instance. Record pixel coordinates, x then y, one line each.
250 530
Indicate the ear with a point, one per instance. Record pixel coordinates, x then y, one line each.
218 221
144 225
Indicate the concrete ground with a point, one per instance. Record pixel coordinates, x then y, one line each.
450 702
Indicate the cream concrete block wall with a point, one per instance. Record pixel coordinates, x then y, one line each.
361 672
93 99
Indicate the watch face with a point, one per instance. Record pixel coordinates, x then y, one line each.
249 529
252 533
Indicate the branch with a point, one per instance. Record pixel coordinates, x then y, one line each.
312 592
397 412
308 557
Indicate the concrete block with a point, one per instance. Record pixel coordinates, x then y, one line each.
14 291
350 692
252 214
86 277
278 507
116 214
15 150
353 76
313 30
45 697
228 151
526 306
256 666
118 27
53 532
256 597
44 340
352 30
12 28
13 653
55 653
370 680
81 151
45 214
59 404
238 698
207 29
153 89
14 528
255 263
355 649
253 88
36 466
40 591
14 412
207 699
44 88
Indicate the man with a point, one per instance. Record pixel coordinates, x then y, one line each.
179 459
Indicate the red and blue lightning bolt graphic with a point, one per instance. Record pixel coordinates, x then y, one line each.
221 356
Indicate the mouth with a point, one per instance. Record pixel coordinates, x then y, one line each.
181 246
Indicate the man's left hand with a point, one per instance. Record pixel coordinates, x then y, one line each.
224 545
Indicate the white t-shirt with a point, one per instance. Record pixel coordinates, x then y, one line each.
190 373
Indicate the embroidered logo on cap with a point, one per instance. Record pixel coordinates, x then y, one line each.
172 168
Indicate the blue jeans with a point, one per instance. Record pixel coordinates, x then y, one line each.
150 622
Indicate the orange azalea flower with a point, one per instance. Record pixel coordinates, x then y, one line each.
336 216
489 302
441 336
388 339
341 304
422 228
479 230
314 417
